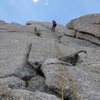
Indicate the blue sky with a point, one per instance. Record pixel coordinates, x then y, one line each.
62 11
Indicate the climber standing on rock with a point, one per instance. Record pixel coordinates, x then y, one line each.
54 24
35 29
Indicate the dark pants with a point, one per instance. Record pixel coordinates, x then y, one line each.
53 28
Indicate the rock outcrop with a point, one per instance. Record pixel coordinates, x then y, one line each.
86 27
45 65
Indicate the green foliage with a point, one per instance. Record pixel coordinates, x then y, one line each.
26 83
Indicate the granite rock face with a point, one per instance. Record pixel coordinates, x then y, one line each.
41 65
85 27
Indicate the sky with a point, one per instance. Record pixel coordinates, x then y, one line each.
21 11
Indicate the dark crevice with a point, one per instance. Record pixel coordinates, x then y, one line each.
29 23
38 34
59 38
27 56
75 34
68 35
69 98
72 59
27 78
39 71
29 50
27 64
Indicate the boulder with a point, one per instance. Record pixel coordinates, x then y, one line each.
89 24
56 74
15 94
26 72
37 83
41 50
76 81
12 82
51 48
85 27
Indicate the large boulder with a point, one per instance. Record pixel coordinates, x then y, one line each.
86 74
89 23
37 83
56 76
15 94
41 50
48 48
12 82
86 27
76 82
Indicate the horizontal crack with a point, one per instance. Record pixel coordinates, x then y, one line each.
89 41
84 38
89 34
